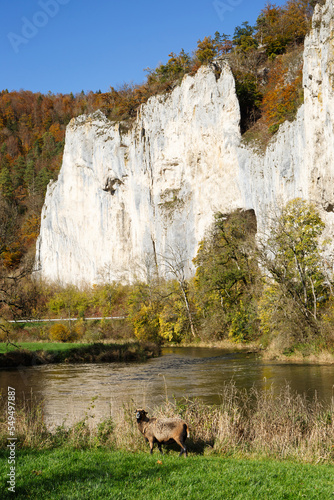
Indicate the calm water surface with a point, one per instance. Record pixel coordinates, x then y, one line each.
181 372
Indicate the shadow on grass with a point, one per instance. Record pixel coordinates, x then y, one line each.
62 475
195 447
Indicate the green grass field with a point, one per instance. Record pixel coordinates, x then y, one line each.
40 346
101 474
34 353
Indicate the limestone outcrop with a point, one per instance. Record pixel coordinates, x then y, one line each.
128 195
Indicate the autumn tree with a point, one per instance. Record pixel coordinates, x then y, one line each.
144 306
284 92
176 67
173 317
292 258
227 273
6 185
13 273
69 301
211 47
297 20
280 27
206 50
161 308
270 31
109 299
175 262
223 43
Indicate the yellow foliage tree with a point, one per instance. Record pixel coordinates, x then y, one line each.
60 333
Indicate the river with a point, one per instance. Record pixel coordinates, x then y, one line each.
68 389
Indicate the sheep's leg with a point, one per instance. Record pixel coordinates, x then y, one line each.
151 446
159 446
183 447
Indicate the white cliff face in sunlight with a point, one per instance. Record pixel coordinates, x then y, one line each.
126 195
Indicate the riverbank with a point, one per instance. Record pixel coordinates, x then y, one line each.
32 354
250 424
305 353
321 358
37 353
225 344
99 474
107 331
302 354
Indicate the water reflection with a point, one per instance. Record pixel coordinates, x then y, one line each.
181 372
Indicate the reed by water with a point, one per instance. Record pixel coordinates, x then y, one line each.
256 424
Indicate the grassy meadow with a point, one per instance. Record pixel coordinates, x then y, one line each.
37 353
40 346
100 474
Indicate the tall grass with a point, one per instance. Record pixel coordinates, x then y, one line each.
245 424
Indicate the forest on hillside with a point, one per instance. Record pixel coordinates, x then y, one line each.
222 300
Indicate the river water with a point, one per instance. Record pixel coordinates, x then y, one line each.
68 389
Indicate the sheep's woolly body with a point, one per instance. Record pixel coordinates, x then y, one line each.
164 427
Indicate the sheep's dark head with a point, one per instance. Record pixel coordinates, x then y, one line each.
140 415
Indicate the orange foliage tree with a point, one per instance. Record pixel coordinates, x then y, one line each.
284 94
279 27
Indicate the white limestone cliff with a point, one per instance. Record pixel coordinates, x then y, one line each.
126 197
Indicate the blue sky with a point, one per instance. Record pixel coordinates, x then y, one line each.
72 45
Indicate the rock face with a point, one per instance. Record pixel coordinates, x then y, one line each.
127 197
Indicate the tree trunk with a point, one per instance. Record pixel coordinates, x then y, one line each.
185 298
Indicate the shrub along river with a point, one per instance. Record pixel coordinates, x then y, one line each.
68 389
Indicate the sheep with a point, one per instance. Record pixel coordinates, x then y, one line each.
162 430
